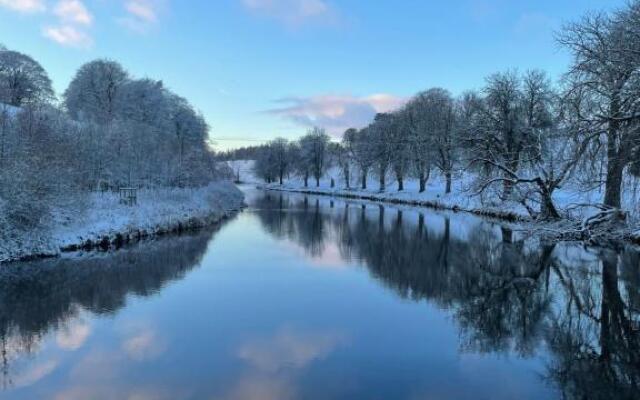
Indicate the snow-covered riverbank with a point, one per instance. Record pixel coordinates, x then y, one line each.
101 221
429 198
573 203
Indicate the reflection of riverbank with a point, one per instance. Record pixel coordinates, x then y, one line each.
42 297
507 296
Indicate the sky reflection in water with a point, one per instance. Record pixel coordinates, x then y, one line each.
304 297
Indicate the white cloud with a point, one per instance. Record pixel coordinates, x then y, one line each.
142 9
67 35
26 6
289 349
336 113
70 13
144 344
73 11
293 12
141 14
74 336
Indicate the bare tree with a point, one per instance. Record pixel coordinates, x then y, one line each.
314 147
379 138
280 149
606 70
499 133
359 147
341 157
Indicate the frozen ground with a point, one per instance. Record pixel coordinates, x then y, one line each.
100 215
242 170
573 202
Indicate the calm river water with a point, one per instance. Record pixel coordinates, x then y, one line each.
302 297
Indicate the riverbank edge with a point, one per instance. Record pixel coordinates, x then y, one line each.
630 236
507 216
116 239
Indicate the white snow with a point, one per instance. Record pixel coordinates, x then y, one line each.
102 215
570 200
243 169
459 199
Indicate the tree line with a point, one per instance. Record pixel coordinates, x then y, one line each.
520 137
108 130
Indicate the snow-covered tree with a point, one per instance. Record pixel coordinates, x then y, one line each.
314 149
605 72
93 91
341 158
358 146
23 80
431 116
381 146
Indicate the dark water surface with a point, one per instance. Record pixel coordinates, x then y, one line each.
308 298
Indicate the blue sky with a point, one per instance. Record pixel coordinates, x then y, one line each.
258 69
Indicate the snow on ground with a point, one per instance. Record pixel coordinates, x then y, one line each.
434 196
243 169
461 198
101 215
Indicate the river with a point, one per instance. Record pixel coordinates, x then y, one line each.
304 297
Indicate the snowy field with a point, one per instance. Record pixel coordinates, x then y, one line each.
102 216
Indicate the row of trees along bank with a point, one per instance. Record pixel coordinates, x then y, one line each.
521 137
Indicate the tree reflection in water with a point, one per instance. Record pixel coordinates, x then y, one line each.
37 298
578 307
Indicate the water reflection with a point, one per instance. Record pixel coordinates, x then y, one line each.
408 304
576 307
62 295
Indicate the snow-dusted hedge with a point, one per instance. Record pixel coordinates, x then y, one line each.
103 221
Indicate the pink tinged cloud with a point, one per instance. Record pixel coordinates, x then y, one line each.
74 336
336 113
290 349
73 11
34 374
24 6
143 10
141 15
68 35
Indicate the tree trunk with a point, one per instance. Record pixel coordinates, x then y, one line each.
317 182
400 183
613 185
507 234
447 175
424 178
383 181
281 178
508 185
347 179
548 210
364 180
306 180
615 163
